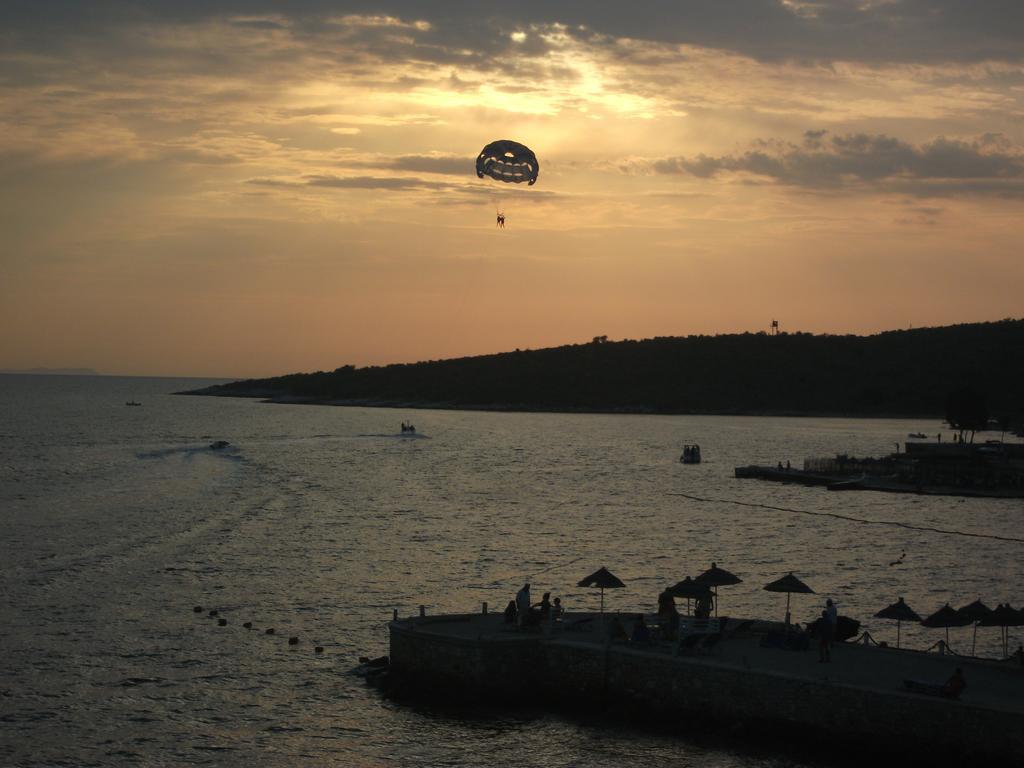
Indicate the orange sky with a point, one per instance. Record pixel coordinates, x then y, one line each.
236 190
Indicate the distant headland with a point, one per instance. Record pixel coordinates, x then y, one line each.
908 373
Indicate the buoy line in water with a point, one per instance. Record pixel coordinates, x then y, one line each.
222 622
850 518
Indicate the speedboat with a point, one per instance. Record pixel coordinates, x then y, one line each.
691 454
218 445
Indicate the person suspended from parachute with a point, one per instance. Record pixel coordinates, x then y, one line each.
510 162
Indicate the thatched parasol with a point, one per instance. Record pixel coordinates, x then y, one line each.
944 618
602 579
716 577
689 589
1003 616
788 584
899 611
976 611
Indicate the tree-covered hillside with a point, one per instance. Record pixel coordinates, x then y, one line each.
909 373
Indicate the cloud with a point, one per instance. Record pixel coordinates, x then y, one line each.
392 183
372 182
453 165
472 192
987 165
258 23
460 31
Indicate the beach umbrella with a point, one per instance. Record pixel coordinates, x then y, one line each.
602 579
788 584
899 611
1003 616
1017 620
976 611
689 589
944 618
716 577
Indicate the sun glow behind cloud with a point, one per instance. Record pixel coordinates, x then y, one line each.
310 175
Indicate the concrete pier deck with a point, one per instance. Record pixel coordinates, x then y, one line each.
859 694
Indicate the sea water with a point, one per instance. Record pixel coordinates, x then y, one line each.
318 522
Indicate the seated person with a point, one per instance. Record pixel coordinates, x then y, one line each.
668 615
641 633
556 609
544 606
955 685
702 610
510 612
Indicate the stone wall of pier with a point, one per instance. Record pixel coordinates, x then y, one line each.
668 686
467 666
585 674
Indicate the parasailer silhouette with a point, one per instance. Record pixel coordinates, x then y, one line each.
510 162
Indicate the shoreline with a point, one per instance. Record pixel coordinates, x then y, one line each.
278 399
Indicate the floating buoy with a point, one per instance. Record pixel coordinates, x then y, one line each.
319 649
197 609
248 625
213 612
293 641
222 622
270 631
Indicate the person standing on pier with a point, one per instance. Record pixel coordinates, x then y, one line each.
826 632
832 615
523 604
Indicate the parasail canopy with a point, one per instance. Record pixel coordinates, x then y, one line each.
508 161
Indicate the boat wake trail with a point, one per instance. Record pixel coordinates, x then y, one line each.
189 452
849 518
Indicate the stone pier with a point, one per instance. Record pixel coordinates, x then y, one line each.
858 698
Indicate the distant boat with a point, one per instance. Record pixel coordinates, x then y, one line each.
132 402
918 435
691 454
218 445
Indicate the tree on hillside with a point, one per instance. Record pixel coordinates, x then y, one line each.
967 411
